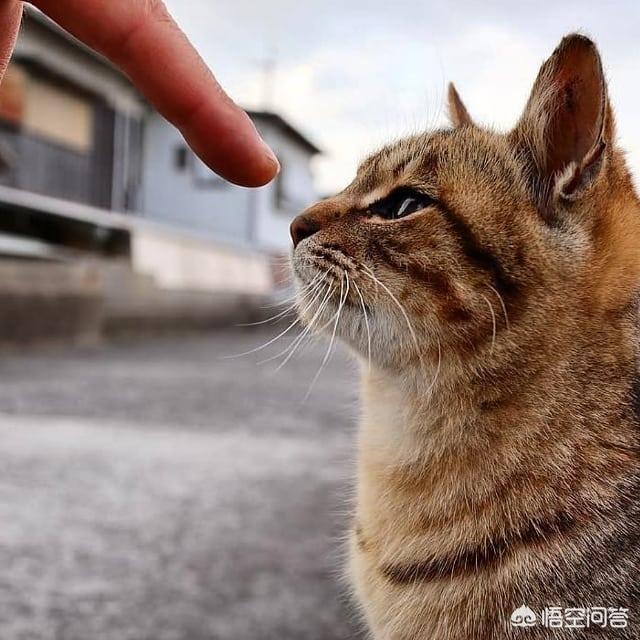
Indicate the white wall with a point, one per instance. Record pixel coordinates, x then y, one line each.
180 262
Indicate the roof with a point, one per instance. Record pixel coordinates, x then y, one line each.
265 116
282 124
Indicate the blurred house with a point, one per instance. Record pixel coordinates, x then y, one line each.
90 174
70 123
178 189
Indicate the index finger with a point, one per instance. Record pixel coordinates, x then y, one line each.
141 38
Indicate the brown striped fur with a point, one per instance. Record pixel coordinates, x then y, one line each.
499 444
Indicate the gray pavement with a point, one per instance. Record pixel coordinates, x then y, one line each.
153 490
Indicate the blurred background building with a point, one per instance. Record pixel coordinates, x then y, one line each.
100 197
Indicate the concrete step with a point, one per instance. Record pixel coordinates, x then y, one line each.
50 301
174 311
84 301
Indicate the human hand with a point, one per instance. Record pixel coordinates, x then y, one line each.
142 39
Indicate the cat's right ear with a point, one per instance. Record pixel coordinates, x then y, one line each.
567 123
458 113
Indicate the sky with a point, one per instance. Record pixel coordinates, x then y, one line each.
355 74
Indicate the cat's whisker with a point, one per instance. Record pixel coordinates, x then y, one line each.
333 336
367 271
291 298
327 323
317 292
283 352
279 303
308 290
294 341
312 325
284 312
502 304
325 302
266 344
366 322
298 341
493 322
311 287
288 309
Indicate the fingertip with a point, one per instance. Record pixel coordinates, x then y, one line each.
266 165
271 164
230 145
258 173
256 168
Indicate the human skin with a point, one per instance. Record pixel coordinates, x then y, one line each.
131 33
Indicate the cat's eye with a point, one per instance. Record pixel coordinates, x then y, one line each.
400 203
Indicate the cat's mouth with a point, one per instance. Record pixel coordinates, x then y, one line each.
337 295
327 259
333 260
326 277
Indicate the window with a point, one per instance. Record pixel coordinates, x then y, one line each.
185 161
292 189
203 176
60 115
181 158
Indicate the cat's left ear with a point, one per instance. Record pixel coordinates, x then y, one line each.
458 113
567 123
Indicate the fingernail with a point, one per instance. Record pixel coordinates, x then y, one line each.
271 157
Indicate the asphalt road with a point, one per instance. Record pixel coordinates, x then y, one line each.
154 490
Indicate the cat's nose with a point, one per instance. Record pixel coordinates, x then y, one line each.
302 227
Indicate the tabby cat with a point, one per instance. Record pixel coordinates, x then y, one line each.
490 284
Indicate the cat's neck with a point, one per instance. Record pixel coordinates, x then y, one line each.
430 415
440 449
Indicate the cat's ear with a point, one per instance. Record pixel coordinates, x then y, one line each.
567 122
458 113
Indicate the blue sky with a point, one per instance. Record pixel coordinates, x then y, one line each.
356 73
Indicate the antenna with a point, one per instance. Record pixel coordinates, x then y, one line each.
269 65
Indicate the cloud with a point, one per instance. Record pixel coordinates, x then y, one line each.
355 74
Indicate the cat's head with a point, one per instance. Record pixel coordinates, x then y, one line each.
461 239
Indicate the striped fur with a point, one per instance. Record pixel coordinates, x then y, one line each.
499 446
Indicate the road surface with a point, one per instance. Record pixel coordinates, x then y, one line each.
154 490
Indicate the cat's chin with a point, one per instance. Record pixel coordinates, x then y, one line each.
318 307
332 302
345 323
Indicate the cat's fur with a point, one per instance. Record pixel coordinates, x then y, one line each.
499 446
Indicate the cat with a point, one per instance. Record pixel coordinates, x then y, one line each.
489 283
